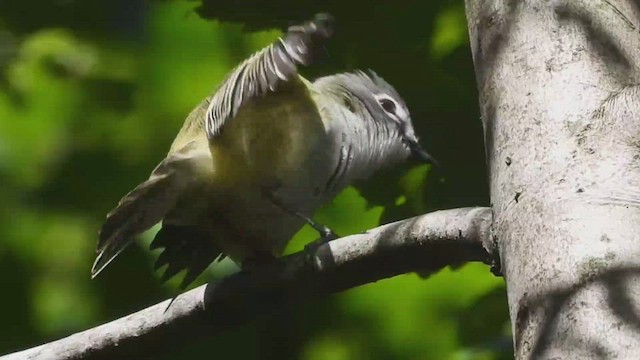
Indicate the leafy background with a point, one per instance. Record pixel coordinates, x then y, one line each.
92 93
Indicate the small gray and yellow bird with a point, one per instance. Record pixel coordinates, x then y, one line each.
254 160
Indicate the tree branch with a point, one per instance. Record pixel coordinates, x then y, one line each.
426 243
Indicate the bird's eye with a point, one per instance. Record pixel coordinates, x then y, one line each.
388 105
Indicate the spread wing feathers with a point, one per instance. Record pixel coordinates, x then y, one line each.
185 248
263 71
142 208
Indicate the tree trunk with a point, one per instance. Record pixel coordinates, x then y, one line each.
559 85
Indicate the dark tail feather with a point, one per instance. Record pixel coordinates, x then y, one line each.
185 248
139 210
107 255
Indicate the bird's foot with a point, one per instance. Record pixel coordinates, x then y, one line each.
326 235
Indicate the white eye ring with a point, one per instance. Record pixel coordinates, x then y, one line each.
389 105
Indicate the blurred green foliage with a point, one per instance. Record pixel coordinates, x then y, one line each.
91 94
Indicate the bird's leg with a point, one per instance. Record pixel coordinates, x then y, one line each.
326 234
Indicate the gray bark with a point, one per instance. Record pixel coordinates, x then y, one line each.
426 243
559 85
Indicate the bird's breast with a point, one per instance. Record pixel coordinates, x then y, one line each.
278 144
279 140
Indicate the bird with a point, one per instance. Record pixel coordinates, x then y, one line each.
258 156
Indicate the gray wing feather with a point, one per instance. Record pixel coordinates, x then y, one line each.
264 70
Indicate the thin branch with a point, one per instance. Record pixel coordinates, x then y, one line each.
426 243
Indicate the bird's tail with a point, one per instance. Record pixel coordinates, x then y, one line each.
139 210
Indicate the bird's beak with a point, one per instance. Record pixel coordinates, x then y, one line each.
419 153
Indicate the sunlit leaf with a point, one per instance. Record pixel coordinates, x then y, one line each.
450 31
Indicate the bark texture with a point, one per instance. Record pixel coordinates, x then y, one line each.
426 243
559 85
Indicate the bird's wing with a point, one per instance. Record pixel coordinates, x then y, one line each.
184 248
150 201
265 70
